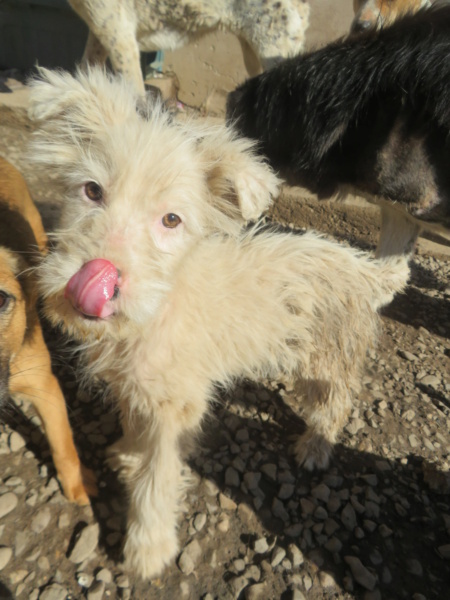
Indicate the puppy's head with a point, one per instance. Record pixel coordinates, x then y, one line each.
12 316
139 190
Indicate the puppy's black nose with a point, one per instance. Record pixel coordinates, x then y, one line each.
359 26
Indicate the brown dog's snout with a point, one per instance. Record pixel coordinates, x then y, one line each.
360 25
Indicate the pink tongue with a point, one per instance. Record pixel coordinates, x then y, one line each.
92 287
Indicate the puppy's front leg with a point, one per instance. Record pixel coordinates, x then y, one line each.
155 482
154 493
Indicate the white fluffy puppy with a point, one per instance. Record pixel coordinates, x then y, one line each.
153 272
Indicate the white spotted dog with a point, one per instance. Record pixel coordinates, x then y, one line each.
170 295
268 30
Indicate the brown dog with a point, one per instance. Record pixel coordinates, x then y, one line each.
25 368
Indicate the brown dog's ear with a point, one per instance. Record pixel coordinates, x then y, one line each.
236 174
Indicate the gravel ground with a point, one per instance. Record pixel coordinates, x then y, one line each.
376 525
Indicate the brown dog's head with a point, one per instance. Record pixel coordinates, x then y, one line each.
13 317
381 13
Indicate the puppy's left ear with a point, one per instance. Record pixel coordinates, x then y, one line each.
236 174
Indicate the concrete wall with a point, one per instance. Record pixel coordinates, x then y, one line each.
212 67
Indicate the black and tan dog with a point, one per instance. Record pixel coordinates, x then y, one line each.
25 368
369 114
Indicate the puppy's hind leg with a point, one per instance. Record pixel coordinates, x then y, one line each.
326 408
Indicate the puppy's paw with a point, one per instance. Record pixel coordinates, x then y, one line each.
312 451
147 554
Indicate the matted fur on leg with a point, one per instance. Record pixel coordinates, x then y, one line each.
169 295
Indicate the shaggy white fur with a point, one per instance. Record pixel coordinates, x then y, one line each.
198 300
268 30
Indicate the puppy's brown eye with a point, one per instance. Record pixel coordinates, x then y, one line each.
4 301
93 191
171 220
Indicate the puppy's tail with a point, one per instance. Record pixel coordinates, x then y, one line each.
392 277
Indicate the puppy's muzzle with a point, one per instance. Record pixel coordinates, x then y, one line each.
93 289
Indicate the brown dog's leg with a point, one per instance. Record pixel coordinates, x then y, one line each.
31 376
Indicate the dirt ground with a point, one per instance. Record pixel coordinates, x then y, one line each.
376 525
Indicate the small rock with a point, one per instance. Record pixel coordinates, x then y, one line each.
63 521
371 479
84 580
286 491
297 595
226 503
104 575
409 415
354 426
257 591
385 531
295 555
414 567
277 556
199 521
320 513
270 471
362 575
43 563
237 584
321 492
293 530
8 502
41 520
307 582
308 507
189 557
431 380
252 480
5 556
326 580
122 581
96 591
54 591
241 436
333 545
21 542
239 565
348 517
279 511
252 573
224 524
232 477
16 441
413 441
85 544
260 546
